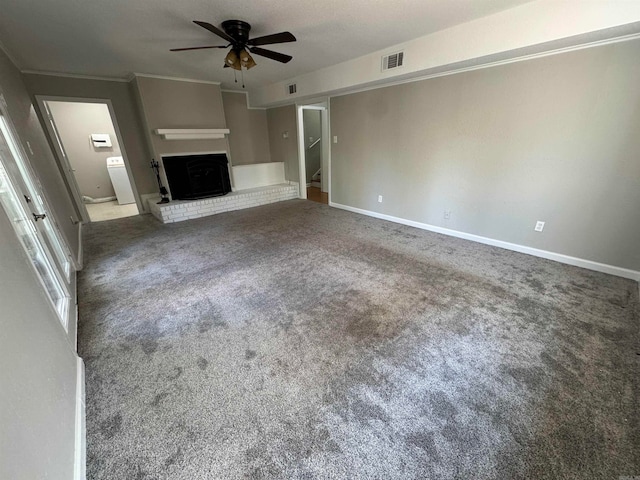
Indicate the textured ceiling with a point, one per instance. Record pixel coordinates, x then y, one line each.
115 38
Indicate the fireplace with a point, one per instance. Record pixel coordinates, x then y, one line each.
197 176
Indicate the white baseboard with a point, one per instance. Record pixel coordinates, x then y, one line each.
558 257
80 456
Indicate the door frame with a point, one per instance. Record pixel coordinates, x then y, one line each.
323 106
63 161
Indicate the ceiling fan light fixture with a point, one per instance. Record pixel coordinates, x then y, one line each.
232 60
246 60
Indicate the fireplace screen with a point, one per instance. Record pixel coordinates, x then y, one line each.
197 176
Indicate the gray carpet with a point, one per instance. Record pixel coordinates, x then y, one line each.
298 341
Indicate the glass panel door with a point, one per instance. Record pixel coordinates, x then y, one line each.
36 201
22 199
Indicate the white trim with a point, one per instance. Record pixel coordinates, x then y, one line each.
302 167
496 63
80 451
322 106
246 94
177 79
312 107
80 259
75 75
558 257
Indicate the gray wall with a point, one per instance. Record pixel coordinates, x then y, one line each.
280 120
555 139
180 104
38 373
122 98
312 120
75 123
249 134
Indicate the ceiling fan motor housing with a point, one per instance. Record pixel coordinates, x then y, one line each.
238 30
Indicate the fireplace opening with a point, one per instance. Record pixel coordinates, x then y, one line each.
197 176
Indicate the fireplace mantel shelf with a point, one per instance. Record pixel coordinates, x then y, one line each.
191 133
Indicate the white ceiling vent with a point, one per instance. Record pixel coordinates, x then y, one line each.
292 88
393 60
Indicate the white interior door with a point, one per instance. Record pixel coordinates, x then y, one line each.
23 200
67 168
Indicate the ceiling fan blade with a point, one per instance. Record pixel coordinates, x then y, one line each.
197 48
215 30
278 57
282 37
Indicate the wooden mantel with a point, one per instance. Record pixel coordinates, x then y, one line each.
191 133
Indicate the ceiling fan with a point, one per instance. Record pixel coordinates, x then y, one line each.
236 33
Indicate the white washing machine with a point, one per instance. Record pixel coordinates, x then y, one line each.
120 180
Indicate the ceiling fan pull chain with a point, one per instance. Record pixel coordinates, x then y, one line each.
242 76
235 77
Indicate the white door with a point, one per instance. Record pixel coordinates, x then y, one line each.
22 198
67 169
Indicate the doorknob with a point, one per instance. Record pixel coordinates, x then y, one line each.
39 216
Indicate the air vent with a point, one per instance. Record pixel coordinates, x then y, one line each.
292 88
392 61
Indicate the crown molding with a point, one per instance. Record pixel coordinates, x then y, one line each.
177 79
75 75
10 56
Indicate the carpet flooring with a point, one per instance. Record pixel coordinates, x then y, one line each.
299 341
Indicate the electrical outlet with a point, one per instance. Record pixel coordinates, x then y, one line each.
379 198
539 226
447 214
335 139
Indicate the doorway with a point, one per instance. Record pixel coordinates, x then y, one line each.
314 152
88 143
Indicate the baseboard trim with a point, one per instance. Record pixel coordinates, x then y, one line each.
558 257
80 455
